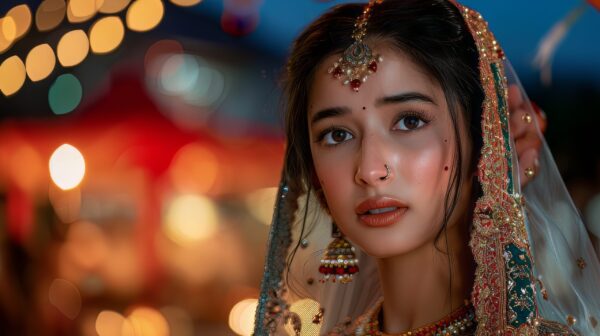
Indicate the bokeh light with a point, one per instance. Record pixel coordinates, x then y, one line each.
158 50
12 75
148 322
179 74
65 94
238 25
194 168
113 6
67 167
21 16
40 62
6 37
242 316
260 203
209 87
49 14
144 15
106 34
111 323
65 296
73 48
9 28
190 219
26 168
82 10
192 79
186 3
86 245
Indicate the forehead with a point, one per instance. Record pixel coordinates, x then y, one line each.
396 74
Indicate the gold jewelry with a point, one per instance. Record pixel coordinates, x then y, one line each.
388 172
527 118
459 322
339 260
529 172
357 61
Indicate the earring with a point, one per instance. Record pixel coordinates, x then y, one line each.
339 260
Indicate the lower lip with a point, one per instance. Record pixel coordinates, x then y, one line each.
383 219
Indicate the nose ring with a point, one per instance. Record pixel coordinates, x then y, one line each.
388 172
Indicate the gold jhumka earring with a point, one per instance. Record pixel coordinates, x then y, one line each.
357 61
339 260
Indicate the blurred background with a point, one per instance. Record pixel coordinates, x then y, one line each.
141 145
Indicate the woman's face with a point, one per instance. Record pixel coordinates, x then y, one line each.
399 119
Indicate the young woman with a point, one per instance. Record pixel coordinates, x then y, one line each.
407 142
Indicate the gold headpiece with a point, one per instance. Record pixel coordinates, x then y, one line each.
357 61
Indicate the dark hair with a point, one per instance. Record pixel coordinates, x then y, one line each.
431 32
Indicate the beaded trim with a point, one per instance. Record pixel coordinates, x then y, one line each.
460 322
357 61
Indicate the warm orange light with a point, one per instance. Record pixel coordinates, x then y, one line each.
260 203
12 75
194 168
242 316
186 3
9 28
40 62
110 323
144 15
67 167
86 245
106 34
50 14
113 6
82 10
73 48
65 297
6 38
148 322
21 16
190 219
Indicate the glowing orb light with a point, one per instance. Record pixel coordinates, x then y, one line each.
67 167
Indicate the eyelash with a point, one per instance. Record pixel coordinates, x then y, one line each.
416 114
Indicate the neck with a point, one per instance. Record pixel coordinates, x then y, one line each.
427 284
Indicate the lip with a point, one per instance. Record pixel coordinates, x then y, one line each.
381 219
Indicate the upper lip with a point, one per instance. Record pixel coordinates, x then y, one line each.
378 202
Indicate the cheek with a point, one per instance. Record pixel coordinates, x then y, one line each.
334 174
427 167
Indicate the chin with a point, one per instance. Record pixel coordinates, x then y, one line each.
384 247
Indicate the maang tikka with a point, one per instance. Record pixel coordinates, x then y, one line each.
357 61
339 260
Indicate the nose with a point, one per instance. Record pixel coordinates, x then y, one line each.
373 167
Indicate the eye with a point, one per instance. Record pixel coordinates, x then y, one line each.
410 122
336 137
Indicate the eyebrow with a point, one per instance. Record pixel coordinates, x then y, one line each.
329 113
405 97
395 99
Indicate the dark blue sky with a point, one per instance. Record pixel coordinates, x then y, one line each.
518 25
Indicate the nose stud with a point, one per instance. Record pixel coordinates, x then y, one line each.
388 172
